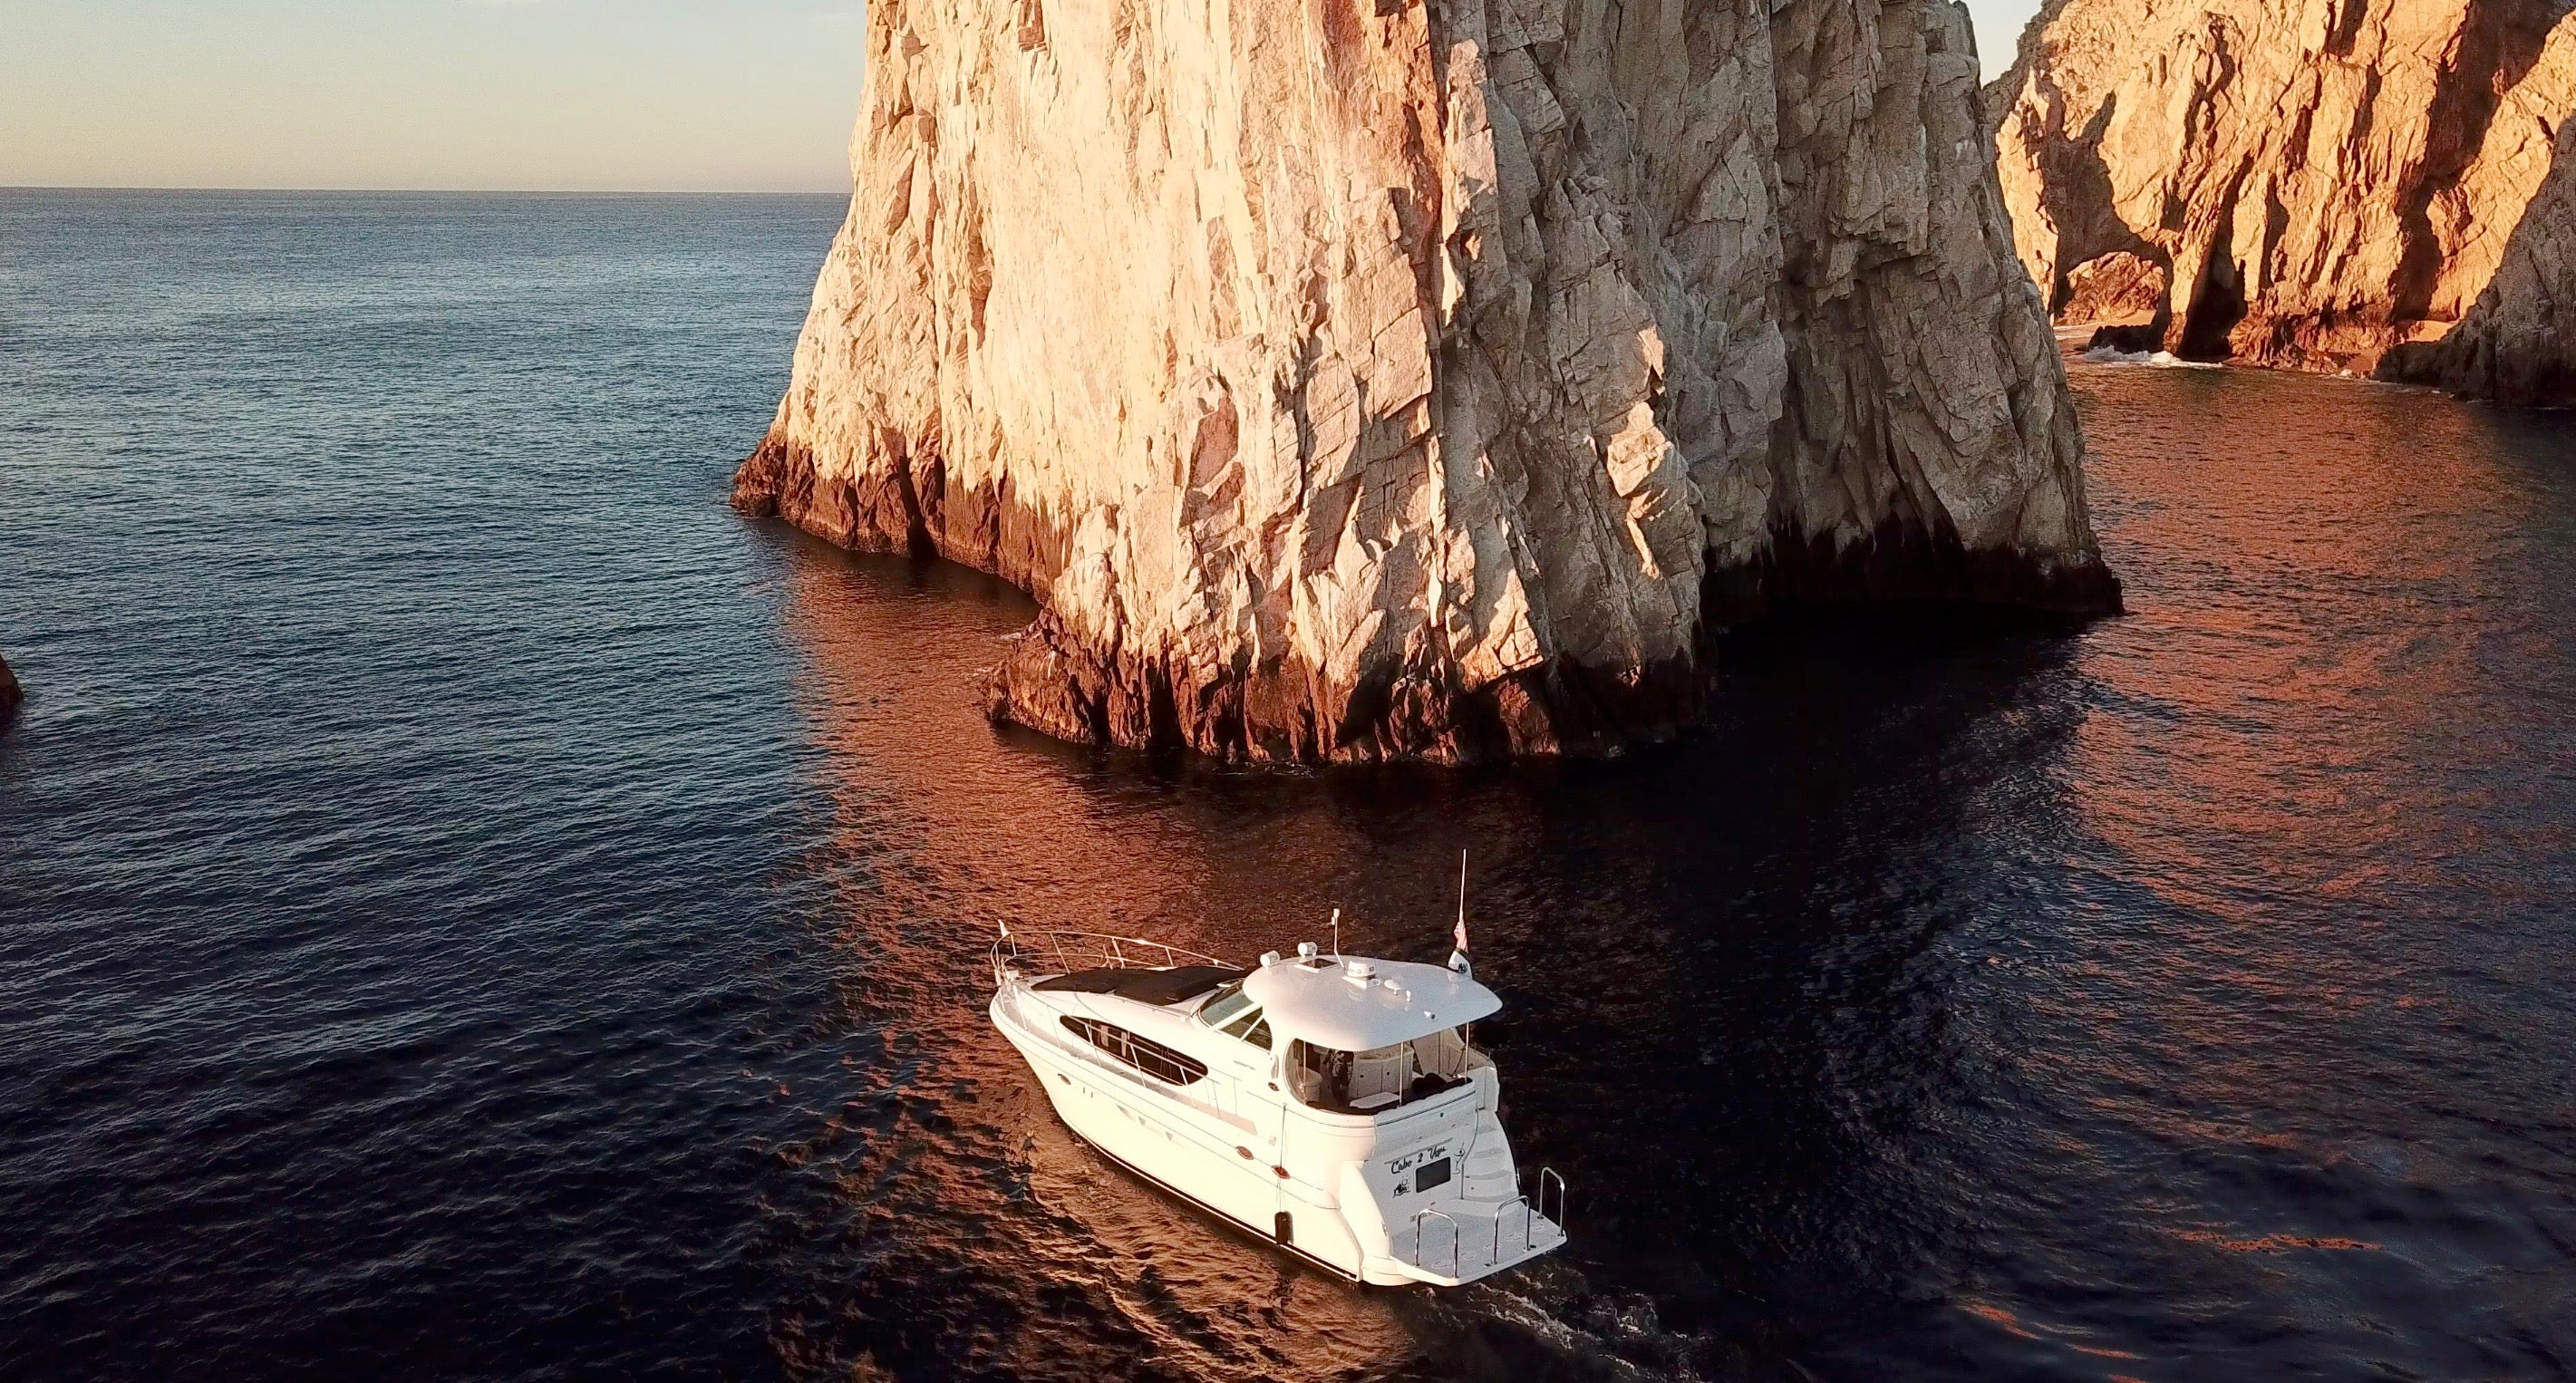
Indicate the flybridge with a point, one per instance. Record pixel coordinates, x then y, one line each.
1335 1105
1356 1004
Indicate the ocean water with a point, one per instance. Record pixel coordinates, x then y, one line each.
472 905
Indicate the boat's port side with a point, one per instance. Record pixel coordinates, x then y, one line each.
1337 1108
1207 1154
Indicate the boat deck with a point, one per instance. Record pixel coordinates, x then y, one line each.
1463 1241
1160 987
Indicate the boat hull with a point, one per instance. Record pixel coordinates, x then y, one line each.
1222 1161
1181 1155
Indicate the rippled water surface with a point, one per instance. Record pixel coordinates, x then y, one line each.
470 904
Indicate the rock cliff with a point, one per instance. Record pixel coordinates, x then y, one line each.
1361 379
2518 344
2317 181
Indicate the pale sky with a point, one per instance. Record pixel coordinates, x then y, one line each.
682 95
1999 24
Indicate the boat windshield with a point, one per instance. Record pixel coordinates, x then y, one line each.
1382 1078
1231 1013
1227 1006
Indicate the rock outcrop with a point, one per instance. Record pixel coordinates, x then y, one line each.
2116 289
2518 345
1361 379
10 695
2318 180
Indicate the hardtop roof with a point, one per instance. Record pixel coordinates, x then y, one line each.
1320 1000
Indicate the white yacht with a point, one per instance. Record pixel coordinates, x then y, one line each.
1332 1105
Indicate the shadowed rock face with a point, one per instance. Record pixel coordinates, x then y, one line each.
2116 289
1363 381
2319 180
10 695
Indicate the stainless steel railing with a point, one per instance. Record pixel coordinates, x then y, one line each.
1058 952
1548 1189
1533 1207
1546 1177
1427 1213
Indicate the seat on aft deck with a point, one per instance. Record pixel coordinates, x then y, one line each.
1160 988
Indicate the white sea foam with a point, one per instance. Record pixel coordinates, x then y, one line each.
2162 360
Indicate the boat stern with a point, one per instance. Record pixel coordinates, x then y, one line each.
1450 1246
1494 1218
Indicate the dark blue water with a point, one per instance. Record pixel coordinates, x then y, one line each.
472 905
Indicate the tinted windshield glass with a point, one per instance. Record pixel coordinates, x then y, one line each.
1252 1028
1227 1006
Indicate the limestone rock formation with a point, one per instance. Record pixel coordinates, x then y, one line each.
2518 345
1365 380
2319 180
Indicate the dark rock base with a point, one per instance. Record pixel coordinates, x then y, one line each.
2129 339
1061 685
2472 368
1286 713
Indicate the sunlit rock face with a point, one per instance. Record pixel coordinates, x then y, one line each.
1367 381
2318 180
2518 344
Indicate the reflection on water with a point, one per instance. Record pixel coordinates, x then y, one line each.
471 906
2189 990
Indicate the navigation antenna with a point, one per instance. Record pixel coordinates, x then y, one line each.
1459 960
1337 933
1462 896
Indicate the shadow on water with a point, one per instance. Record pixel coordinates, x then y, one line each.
1725 969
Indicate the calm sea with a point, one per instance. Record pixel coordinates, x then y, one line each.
472 905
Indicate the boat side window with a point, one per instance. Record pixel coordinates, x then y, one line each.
1379 1079
1320 1077
1143 1053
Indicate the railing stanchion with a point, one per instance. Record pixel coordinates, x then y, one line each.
1425 1213
1504 1210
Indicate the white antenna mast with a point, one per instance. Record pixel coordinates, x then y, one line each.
1337 933
1458 959
1462 890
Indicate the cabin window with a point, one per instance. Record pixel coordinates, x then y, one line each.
1143 1053
1380 1079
